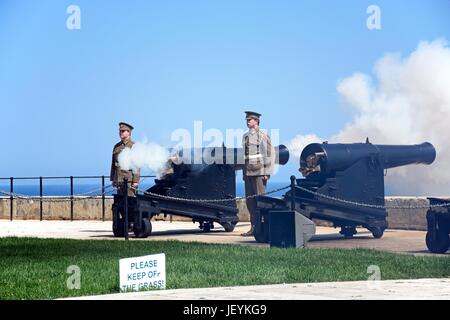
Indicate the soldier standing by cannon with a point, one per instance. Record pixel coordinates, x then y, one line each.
117 173
259 162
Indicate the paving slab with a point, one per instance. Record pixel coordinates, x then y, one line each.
418 289
404 241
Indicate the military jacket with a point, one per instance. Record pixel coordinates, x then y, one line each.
118 174
259 153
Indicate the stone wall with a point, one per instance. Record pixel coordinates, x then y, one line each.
85 209
91 209
408 219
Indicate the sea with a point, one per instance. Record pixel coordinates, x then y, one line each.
95 189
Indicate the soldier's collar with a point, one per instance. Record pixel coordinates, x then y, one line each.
253 130
126 142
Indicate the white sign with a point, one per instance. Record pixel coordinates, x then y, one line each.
140 273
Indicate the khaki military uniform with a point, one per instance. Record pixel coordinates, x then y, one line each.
259 162
117 174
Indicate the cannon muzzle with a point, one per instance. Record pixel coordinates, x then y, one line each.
281 154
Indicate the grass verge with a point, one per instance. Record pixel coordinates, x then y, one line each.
33 268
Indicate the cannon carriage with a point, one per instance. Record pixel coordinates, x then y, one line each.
343 184
438 225
199 184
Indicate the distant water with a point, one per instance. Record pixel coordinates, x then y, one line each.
95 189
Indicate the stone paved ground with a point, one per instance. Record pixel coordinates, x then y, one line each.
423 289
412 242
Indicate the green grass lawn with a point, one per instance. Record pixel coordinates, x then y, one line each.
36 268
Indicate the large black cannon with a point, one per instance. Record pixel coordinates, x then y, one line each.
194 179
344 184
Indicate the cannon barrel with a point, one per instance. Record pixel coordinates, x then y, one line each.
396 156
329 158
223 155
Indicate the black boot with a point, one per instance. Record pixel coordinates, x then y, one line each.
248 233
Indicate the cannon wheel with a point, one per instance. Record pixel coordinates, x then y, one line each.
348 232
441 244
118 228
117 225
207 226
145 231
229 226
377 232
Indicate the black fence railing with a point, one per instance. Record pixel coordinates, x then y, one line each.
71 196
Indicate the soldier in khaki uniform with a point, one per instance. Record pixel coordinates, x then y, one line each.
259 163
118 174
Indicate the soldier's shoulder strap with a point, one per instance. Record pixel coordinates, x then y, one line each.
264 135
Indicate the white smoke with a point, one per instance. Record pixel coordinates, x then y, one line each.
296 145
407 102
144 155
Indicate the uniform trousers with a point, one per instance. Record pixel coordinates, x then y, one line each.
253 185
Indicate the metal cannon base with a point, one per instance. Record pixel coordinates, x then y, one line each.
346 217
143 208
438 222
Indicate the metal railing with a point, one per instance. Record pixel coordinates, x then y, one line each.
69 197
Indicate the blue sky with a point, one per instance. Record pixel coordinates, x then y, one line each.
161 65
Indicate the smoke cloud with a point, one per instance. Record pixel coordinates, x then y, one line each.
297 144
406 101
147 155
